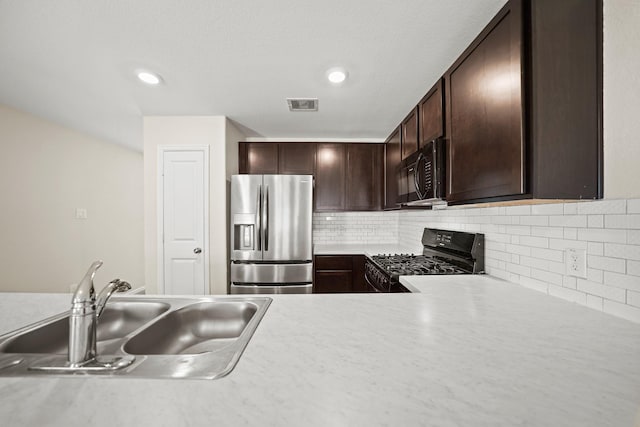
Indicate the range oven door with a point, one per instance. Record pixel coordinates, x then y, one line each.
376 281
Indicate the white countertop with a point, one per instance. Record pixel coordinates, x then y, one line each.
359 249
466 351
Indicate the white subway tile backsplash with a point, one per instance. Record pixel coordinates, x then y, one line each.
518 269
594 248
570 233
568 294
525 244
568 221
550 209
605 263
596 276
633 206
570 282
562 244
624 281
557 267
549 254
633 298
633 268
540 264
554 232
603 207
534 284
539 220
538 242
622 251
518 210
608 292
595 221
633 237
519 230
622 221
594 302
547 276
519 250
570 208
622 310
602 235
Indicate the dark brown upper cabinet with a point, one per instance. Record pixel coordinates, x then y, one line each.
287 158
331 176
347 176
258 157
430 114
565 75
409 131
392 163
364 177
296 158
524 105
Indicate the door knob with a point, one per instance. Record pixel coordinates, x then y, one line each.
197 250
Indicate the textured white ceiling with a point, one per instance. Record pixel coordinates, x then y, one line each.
73 61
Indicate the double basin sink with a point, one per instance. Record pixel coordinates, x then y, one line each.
166 338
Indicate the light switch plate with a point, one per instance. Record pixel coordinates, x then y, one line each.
81 213
576 262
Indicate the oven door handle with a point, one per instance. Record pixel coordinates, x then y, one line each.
371 286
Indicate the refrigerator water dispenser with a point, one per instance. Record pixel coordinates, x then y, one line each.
244 237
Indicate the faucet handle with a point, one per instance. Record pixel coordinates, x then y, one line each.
85 291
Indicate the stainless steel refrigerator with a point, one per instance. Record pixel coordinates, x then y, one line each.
271 235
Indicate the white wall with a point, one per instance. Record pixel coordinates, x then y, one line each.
222 138
46 172
621 98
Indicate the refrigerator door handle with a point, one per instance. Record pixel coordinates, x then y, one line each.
259 218
266 218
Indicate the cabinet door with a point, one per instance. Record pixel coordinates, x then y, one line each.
484 113
330 177
392 163
409 128
296 158
364 177
359 282
329 282
430 115
258 157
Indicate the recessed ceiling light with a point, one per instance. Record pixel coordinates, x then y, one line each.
149 78
337 75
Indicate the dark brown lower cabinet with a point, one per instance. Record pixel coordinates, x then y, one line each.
338 274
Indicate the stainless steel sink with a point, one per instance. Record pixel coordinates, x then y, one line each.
169 338
117 321
194 329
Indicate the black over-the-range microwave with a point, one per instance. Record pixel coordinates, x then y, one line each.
421 176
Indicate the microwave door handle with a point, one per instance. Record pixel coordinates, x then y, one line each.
434 170
416 176
266 218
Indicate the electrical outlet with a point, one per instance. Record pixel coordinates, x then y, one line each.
576 262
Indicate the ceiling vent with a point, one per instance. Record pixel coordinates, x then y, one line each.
303 104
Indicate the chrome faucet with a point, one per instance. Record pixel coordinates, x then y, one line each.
85 310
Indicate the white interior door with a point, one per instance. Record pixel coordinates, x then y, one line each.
184 216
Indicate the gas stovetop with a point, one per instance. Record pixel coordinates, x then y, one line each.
444 252
409 265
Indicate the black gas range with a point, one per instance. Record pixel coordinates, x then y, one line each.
444 252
